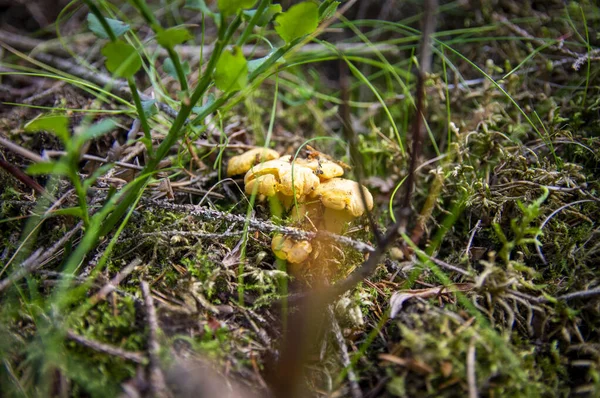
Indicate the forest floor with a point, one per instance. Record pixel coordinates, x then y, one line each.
488 284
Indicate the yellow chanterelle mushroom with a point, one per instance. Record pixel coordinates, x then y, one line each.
278 176
294 251
322 168
242 163
342 201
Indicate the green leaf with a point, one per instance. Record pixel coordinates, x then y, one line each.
256 63
91 179
266 16
118 27
231 72
56 168
57 124
300 20
170 70
68 211
199 5
96 130
329 11
209 101
231 7
122 59
171 37
149 107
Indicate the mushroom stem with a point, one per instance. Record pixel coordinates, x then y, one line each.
335 220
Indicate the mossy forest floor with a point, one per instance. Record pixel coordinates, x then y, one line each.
494 290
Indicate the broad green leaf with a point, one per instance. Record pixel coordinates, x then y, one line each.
57 124
266 16
231 7
118 27
122 59
57 168
300 20
171 37
96 130
231 72
149 107
329 11
169 68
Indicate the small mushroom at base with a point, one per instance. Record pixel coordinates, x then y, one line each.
294 251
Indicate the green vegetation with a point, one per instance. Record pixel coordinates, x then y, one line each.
116 123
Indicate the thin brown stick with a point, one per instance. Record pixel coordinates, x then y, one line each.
429 21
36 260
471 376
112 285
157 379
19 150
24 178
337 332
255 224
107 349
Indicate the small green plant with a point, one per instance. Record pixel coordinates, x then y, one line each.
524 233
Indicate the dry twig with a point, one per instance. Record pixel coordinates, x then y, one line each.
107 349
157 379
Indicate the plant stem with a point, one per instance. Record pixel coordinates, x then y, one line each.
102 20
248 29
142 115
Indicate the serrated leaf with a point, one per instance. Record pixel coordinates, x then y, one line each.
170 70
96 130
122 59
119 28
231 72
149 107
266 16
300 20
171 37
57 124
231 7
329 11
43 168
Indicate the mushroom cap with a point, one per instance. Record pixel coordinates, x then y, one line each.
343 194
242 163
323 168
291 250
276 176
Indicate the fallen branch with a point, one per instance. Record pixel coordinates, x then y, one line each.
157 379
107 349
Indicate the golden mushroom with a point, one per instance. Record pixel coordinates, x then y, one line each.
322 168
280 177
342 201
242 163
293 251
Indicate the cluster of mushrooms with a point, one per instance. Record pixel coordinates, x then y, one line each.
310 191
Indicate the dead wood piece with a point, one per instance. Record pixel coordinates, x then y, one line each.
107 348
157 379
